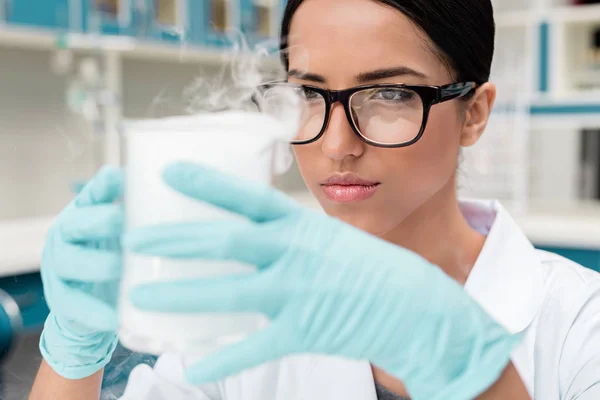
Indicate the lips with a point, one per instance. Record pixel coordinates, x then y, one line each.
346 188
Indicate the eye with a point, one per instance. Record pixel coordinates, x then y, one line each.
394 95
309 94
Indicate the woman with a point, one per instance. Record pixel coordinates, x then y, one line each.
393 90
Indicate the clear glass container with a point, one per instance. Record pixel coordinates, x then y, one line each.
243 144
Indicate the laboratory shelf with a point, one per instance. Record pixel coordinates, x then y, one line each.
575 226
569 14
589 258
127 47
565 116
570 111
27 38
515 19
584 13
45 13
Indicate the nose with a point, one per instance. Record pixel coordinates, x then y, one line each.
339 140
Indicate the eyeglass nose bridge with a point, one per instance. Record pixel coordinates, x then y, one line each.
342 97
339 96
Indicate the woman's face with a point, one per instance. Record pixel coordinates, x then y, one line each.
338 44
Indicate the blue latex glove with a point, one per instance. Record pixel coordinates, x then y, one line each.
81 268
328 288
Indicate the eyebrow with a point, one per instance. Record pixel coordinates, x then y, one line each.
389 73
306 76
363 77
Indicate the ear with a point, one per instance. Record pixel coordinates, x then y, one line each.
478 110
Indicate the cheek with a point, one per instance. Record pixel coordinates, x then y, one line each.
424 168
437 151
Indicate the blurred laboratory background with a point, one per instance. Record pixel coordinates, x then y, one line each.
71 71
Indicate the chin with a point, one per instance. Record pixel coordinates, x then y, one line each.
374 223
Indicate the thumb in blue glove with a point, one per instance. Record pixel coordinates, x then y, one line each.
328 288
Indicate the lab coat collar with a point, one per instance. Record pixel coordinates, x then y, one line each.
507 278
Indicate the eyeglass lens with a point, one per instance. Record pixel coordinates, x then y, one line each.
382 115
387 115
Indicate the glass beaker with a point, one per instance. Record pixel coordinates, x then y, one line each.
243 144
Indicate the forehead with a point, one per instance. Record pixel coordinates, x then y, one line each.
342 38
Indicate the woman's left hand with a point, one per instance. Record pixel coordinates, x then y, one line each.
328 288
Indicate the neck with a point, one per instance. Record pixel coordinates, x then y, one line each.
439 232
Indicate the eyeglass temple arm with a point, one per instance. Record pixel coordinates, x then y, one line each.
455 90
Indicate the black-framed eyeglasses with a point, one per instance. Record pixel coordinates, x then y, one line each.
385 115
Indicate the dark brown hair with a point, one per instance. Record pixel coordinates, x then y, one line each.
463 32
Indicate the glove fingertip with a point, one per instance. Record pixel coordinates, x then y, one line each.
116 219
195 377
132 241
179 172
111 172
105 187
143 297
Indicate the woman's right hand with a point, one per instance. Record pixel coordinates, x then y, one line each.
81 268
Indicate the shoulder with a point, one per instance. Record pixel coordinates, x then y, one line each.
559 266
567 282
569 289
568 324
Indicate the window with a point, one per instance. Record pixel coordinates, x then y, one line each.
166 12
219 18
109 7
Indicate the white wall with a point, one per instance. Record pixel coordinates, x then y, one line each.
44 149
555 167
155 89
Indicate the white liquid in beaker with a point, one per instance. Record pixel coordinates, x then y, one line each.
240 144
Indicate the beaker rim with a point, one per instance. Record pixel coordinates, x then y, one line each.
233 119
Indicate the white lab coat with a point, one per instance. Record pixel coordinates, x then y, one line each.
552 301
